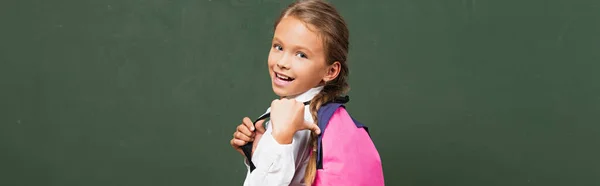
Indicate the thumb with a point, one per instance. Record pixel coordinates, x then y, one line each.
260 127
313 127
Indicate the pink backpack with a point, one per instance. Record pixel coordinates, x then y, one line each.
346 155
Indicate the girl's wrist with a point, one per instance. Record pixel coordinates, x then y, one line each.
283 137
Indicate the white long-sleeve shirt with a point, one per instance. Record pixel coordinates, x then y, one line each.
282 164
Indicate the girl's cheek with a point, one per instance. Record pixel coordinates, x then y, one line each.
270 58
273 57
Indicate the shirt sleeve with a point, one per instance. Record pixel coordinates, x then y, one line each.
275 163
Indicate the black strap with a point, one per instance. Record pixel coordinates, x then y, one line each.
248 147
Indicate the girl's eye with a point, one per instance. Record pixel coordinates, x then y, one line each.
301 54
278 47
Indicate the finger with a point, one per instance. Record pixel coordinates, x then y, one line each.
313 127
299 105
244 130
248 123
234 143
241 136
260 127
238 143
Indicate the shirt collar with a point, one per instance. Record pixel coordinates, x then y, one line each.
308 95
304 97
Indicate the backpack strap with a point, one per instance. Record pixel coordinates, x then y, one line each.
324 115
247 149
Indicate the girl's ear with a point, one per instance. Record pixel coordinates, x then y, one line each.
333 71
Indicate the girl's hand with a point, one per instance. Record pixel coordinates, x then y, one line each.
245 133
287 117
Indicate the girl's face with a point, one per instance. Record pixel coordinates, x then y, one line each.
297 58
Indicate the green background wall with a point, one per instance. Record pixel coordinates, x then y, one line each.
148 92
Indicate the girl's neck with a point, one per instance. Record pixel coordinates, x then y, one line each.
306 96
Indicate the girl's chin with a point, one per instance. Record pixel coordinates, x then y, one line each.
279 92
282 92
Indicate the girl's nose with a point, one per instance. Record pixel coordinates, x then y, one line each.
284 62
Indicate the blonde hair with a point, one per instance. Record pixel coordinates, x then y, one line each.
332 28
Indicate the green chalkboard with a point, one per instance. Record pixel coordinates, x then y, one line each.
148 92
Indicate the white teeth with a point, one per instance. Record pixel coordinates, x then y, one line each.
283 77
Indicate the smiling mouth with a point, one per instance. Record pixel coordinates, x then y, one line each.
283 77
